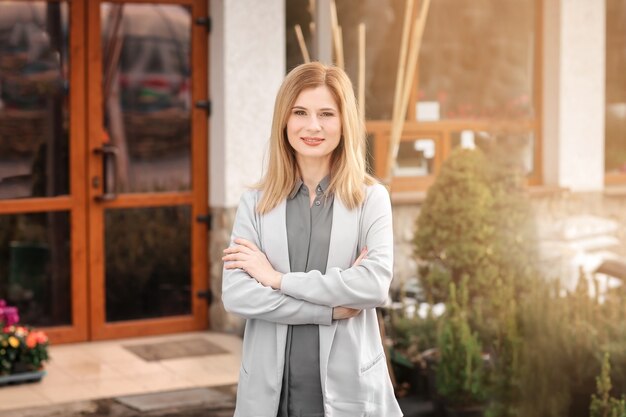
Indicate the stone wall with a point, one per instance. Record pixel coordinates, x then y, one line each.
219 239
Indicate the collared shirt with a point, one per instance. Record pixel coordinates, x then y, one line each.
308 237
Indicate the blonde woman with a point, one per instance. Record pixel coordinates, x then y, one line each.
310 259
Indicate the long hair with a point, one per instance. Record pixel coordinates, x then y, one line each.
348 173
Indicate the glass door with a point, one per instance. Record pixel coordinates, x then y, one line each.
42 187
147 167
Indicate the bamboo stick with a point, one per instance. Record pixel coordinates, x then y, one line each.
406 28
312 29
361 79
340 60
336 32
302 44
396 128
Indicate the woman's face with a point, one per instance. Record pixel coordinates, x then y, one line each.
314 125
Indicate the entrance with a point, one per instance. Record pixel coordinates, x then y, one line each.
103 166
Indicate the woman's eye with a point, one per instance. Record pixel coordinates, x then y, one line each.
299 112
328 114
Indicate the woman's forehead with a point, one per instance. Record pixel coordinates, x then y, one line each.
316 97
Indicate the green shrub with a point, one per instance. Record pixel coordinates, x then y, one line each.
477 225
603 405
454 233
461 369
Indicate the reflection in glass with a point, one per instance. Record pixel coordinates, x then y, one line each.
415 158
514 149
147 94
33 99
148 262
615 151
35 266
477 59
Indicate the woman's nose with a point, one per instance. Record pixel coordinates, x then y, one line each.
314 124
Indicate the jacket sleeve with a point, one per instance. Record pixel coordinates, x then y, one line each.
362 286
244 296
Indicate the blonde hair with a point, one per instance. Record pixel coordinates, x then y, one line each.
348 173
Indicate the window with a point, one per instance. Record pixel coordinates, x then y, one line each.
615 116
476 85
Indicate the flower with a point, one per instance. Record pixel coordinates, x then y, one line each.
21 347
14 342
8 314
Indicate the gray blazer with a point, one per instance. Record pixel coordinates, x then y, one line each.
353 369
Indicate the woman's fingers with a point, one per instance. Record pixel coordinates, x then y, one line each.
238 248
246 243
233 257
342 313
235 265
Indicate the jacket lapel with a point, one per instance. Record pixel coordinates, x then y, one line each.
341 253
274 242
274 237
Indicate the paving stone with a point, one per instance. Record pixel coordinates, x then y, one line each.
196 397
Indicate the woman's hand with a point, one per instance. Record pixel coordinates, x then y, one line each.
341 313
246 256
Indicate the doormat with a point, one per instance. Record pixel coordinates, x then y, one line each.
176 349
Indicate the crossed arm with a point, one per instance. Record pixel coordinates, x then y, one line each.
246 256
252 288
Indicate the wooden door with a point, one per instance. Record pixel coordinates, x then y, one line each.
103 166
146 167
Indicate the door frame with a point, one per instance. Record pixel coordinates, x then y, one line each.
197 198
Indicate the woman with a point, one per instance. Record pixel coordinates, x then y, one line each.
311 256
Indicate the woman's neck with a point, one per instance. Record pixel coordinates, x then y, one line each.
313 171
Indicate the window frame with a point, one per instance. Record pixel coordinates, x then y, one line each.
616 179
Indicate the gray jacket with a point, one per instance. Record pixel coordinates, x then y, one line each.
353 369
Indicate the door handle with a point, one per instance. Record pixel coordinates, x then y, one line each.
109 154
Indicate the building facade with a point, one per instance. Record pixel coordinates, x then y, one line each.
128 132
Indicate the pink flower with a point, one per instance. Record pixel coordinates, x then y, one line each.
10 315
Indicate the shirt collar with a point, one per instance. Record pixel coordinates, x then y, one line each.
296 188
324 183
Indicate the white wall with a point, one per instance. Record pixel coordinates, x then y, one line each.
574 72
247 65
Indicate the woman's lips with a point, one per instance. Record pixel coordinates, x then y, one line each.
312 141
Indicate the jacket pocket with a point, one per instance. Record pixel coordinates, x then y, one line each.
369 365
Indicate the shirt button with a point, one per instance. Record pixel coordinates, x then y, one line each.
317 203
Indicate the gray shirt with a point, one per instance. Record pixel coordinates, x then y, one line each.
308 236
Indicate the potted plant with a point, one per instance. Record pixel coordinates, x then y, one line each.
23 350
